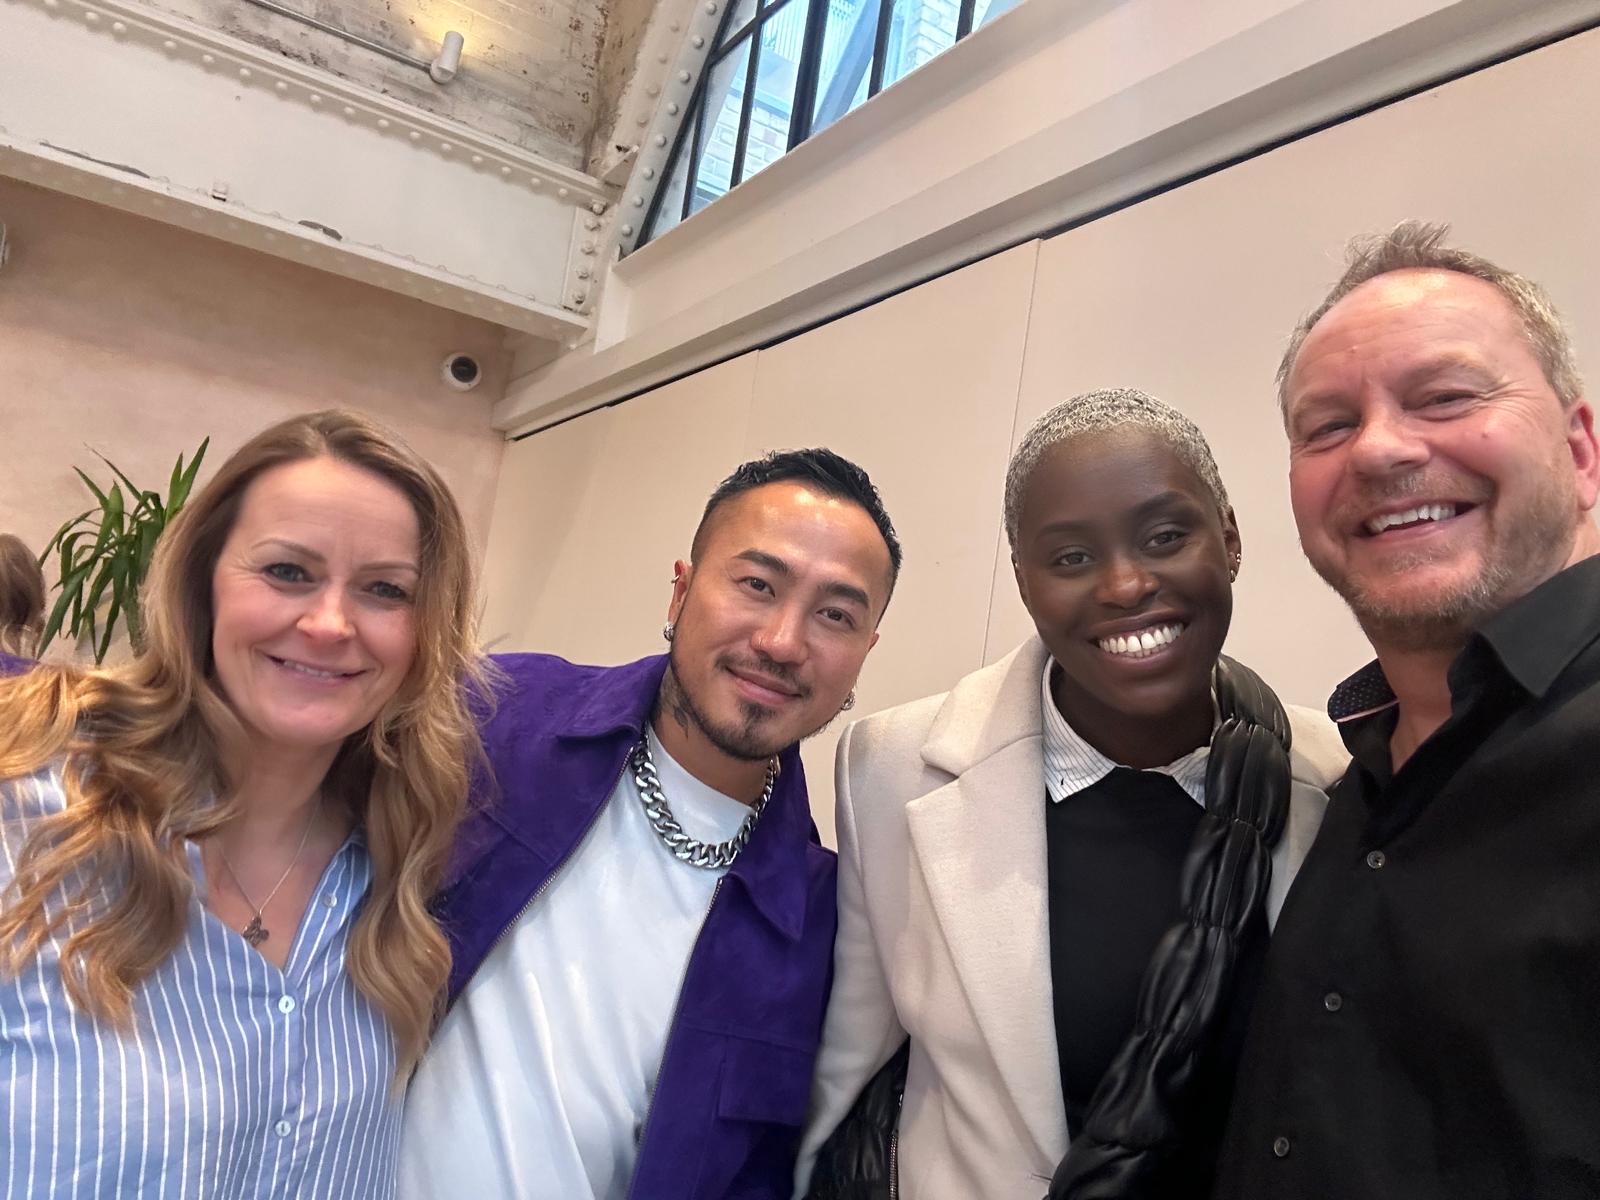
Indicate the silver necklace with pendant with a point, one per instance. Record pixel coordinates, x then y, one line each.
255 932
683 847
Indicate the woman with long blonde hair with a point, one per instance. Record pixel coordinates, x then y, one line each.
217 964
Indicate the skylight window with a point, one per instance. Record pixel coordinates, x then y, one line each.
784 69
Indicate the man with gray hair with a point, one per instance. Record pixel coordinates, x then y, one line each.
1428 1029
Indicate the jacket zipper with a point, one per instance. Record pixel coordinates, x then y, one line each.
894 1148
560 866
672 1028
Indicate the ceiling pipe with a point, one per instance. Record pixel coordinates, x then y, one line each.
441 69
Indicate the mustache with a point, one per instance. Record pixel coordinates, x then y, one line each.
762 665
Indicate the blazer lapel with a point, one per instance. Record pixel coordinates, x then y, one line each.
980 843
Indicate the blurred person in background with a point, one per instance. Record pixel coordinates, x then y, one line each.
22 594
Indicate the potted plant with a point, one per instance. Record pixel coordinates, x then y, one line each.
104 552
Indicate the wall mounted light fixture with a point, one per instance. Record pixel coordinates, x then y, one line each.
444 67
441 70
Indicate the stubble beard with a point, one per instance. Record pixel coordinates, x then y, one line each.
1530 547
745 741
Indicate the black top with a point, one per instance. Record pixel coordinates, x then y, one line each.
1429 1028
1116 852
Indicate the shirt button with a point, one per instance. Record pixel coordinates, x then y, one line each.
1333 1002
330 901
286 1004
1280 1147
1376 859
283 1129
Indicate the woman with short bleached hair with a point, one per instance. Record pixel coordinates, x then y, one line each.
217 964
1056 879
21 598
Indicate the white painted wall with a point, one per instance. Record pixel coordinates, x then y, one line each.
1053 111
1189 295
113 100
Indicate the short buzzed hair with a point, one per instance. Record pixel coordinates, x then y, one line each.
1419 246
829 473
1101 412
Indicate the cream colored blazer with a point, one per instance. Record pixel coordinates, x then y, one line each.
943 931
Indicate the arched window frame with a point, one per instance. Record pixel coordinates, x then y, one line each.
815 102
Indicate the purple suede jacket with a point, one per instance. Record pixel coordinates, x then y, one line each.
735 1077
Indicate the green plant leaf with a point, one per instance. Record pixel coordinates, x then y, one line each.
133 616
111 629
146 551
66 526
103 555
97 590
71 595
183 483
133 488
115 507
93 486
108 520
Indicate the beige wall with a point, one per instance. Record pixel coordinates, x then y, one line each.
1189 295
137 339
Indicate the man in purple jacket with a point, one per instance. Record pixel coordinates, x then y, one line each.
641 914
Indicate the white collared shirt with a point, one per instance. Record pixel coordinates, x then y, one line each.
1072 764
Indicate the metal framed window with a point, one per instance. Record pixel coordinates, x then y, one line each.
783 69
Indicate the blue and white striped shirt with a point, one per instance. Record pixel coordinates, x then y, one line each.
237 1081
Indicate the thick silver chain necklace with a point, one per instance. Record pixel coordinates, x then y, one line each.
683 847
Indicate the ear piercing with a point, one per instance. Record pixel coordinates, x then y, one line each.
667 631
849 701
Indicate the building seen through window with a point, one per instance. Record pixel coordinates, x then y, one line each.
785 69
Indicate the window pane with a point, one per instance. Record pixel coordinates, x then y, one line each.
719 129
846 59
918 30
987 10
736 20
782 36
669 203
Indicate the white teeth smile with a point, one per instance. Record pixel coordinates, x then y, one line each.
1411 516
1144 643
302 669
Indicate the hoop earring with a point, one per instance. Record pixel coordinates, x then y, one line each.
849 701
667 631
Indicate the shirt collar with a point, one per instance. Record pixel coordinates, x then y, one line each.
1537 636
1072 764
1534 638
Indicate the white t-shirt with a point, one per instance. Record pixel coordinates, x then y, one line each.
539 1081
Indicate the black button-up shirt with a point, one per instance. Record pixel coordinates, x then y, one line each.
1430 1022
